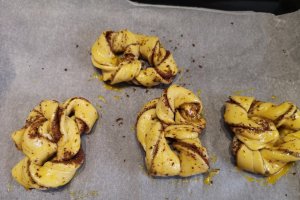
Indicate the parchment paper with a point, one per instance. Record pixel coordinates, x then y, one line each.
44 53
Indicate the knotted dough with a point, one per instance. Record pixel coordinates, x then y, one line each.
119 54
168 129
267 136
51 142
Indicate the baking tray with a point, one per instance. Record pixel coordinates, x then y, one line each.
45 53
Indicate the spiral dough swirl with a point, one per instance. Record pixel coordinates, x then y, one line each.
168 129
267 136
128 67
51 142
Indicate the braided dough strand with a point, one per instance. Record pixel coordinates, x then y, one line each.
168 129
128 67
267 136
51 143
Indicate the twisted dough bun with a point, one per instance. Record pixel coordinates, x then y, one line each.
128 67
168 129
267 136
51 142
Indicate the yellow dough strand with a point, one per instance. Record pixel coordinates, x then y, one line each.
267 136
119 55
168 129
51 143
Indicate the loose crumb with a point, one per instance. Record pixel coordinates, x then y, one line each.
119 119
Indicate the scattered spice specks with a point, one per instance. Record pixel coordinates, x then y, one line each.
77 45
42 68
66 69
193 45
200 66
231 23
181 35
119 121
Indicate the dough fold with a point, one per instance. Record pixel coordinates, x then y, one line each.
168 129
266 136
121 55
51 142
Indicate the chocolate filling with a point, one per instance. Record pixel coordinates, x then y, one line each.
77 159
265 127
83 126
168 76
278 119
194 149
153 52
155 150
56 134
33 132
108 38
231 101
